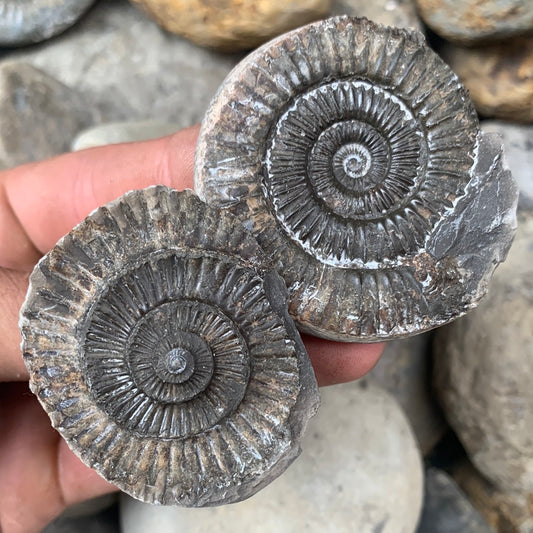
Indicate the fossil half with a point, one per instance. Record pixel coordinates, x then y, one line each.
31 21
356 156
158 340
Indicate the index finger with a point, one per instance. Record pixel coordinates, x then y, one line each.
41 202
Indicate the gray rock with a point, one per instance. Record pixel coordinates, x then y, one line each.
130 69
39 116
404 371
480 236
122 132
472 21
518 143
360 471
398 13
447 509
506 512
26 22
483 367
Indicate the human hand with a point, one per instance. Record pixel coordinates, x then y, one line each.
39 203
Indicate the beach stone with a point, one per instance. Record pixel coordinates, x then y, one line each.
360 470
447 509
518 144
129 69
472 21
499 77
121 132
404 371
233 25
509 512
482 368
39 116
397 13
23 22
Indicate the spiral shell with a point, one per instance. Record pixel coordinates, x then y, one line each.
159 343
31 21
347 144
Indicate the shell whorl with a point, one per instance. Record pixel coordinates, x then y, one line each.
362 162
346 144
30 21
157 342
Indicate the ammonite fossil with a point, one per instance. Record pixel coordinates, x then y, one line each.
158 340
31 21
356 156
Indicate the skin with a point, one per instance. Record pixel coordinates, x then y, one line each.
39 203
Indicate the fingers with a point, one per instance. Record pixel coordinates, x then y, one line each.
16 249
26 462
77 481
339 362
38 467
41 202
40 476
333 362
13 287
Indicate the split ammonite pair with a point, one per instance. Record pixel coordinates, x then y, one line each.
348 186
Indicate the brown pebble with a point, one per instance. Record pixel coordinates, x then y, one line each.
474 21
233 25
499 77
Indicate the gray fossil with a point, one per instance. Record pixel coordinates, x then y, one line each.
157 338
31 21
355 156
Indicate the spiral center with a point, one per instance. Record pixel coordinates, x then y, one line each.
178 359
354 159
176 367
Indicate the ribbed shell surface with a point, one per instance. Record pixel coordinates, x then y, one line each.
346 144
158 341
